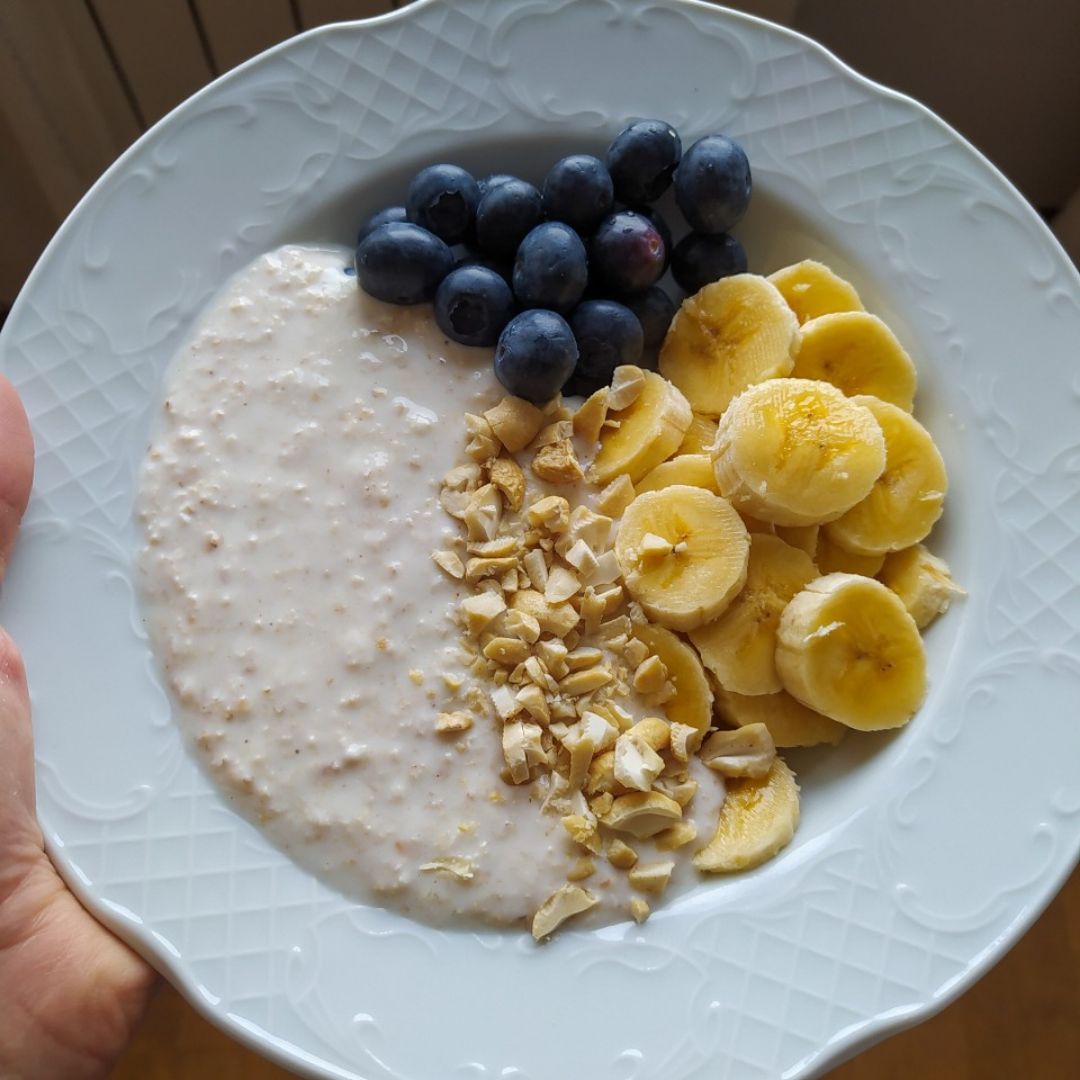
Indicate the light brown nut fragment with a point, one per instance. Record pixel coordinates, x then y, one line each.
582 869
607 569
536 567
505 702
642 814
507 476
585 524
746 751
601 776
506 650
627 383
637 764
635 652
621 855
483 514
478 569
639 909
522 625
455 865
455 503
533 700
552 654
591 609
498 548
453 723
676 837
650 676
522 748
449 563
551 513
653 731
465 477
481 445
557 463
585 656
616 497
562 583
601 804
514 422
682 791
557 619
559 431
599 729
591 414
652 877
479 611
582 830
581 558
684 741
565 902
585 682
619 626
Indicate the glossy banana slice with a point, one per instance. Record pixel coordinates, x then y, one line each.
700 435
739 647
831 558
694 470
797 452
922 581
847 648
692 703
682 552
906 499
732 334
858 353
812 289
648 432
789 721
757 820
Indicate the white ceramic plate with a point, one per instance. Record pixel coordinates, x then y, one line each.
921 856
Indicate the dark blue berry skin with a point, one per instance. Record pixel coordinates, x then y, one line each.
578 190
654 310
494 180
662 227
473 304
713 184
551 268
442 199
385 216
699 260
608 334
402 263
627 253
507 213
505 270
642 159
535 356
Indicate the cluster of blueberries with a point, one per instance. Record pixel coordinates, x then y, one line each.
563 280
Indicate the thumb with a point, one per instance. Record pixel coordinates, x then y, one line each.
16 467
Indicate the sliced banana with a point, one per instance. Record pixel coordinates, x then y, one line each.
693 700
906 499
730 335
812 289
803 537
797 452
694 470
922 581
648 431
683 552
789 721
700 435
739 647
859 354
831 558
847 648
757 820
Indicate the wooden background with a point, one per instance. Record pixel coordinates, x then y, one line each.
81 79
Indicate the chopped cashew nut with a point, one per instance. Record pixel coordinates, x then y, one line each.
562 904
582 868
453 722
652 877
551 513
480 610
650 676
637 764
639 909
621 855
642 814
591 415
627 383
507 476
746 751
676 837
482 444
582 830
514 422
557 463
449 563
616 497
455 865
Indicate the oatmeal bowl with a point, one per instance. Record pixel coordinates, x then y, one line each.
615 572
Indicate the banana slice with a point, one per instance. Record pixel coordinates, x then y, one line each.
693 700
700 435
907 498
812 289
789 721
739 647
858 353
922 581
649 431
730 335
803 537
682 551
757 820
847 648
797 452
833 559
756 525
694 470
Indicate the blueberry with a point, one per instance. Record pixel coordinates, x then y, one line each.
492 181
662 227
551 269
642 160
505 270
473 304
386 216
699 260
535 356
712 184
443 198
505 216
608 334
578 190
627 253
402 263
654 310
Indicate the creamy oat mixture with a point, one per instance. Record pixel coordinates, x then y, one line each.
290 500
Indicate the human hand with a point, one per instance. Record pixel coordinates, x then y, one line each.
70 993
